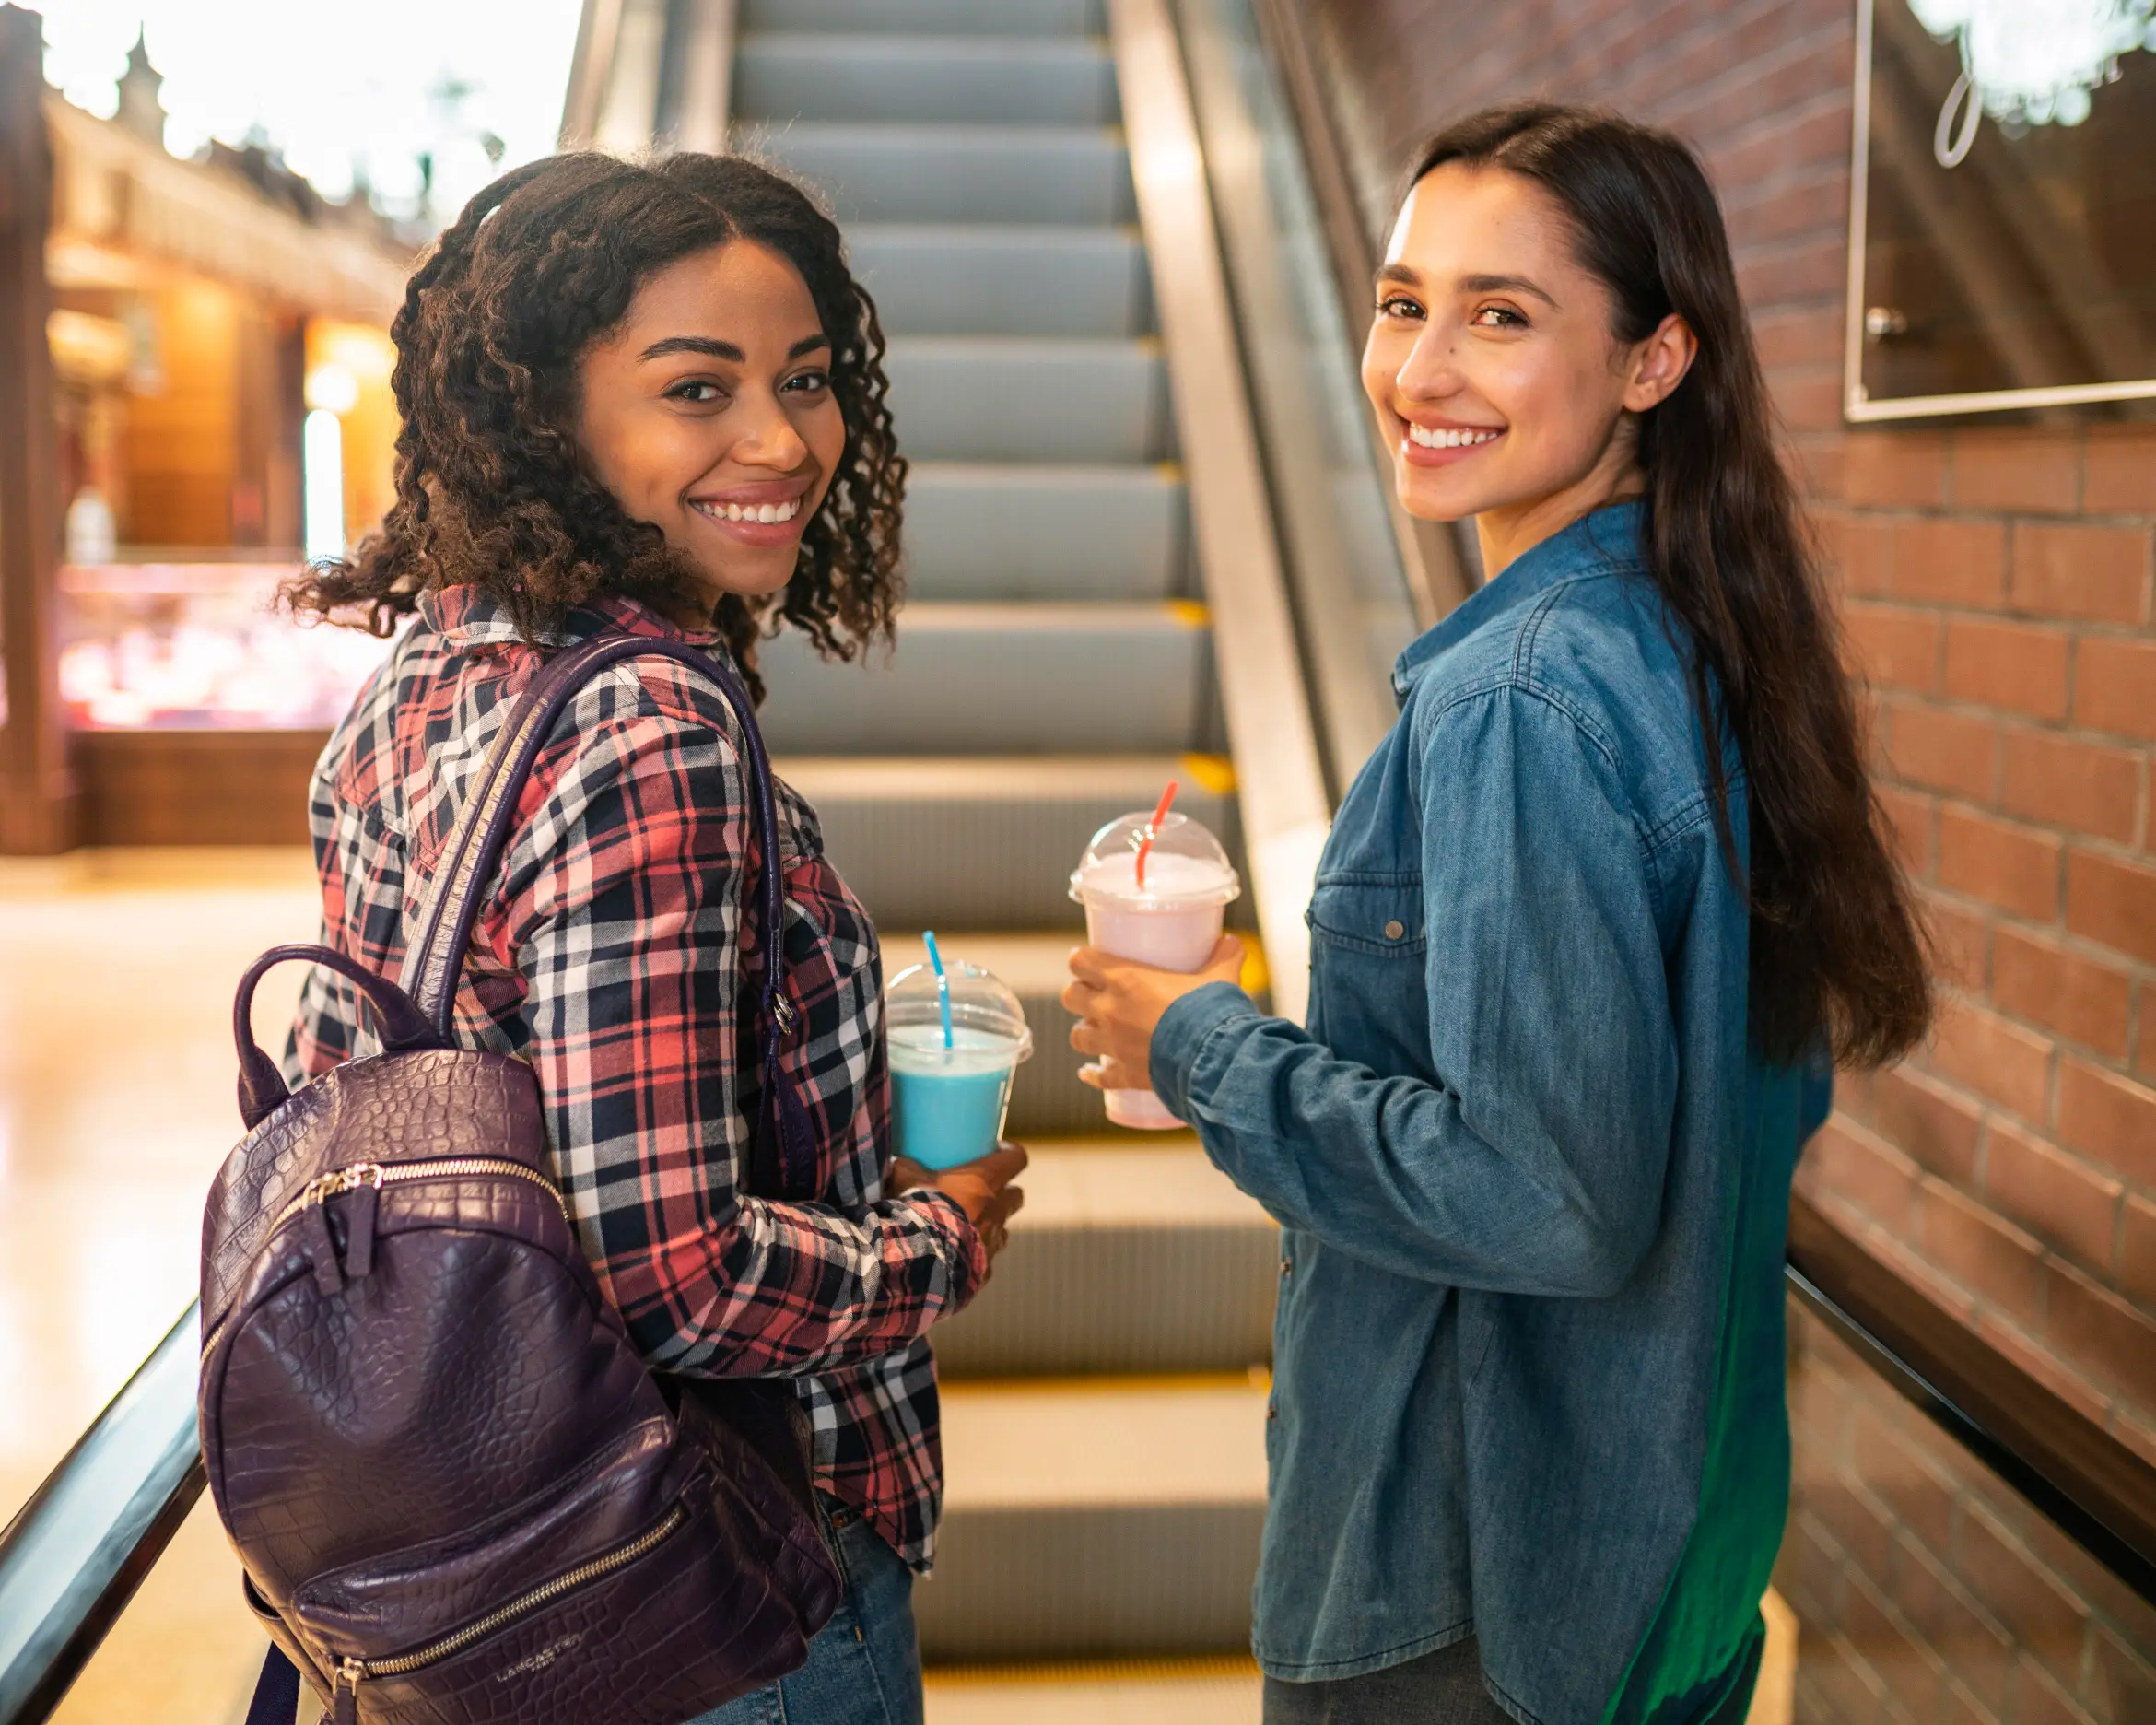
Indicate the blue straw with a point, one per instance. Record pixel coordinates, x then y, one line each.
943 983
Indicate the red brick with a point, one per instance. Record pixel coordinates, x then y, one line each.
2057 1197
2007 664
1961 942
1973 1647
2042 1363
1860 549
2138 1435
2016 470
2114 685
2113 903
1807 1573
1928 1121
2077 997
1896 467
2019 1593
1910 820
1946 751
2145 1053
2121 477
2125 1679
1954 562
1911 1267
1800 335
2042 1702
2106 1595
2094 1328
1992 1258
1911 1671
1864 1171
1904 1479
1993 1057
2007 866
1858 1526
2072 570
1894 648
2108 1118
2069 783
2137 1252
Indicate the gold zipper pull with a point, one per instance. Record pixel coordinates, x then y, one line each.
344 1690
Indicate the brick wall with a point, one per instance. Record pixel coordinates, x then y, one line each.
1997 587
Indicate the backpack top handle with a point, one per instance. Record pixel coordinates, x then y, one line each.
417 1011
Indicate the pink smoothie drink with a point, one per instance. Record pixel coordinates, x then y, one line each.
1172 918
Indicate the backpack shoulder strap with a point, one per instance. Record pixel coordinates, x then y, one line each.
435 959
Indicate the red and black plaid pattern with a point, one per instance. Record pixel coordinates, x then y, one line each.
610 957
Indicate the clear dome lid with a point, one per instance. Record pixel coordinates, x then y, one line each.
981 1005
1184 865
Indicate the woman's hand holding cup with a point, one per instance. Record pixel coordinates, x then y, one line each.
981 1188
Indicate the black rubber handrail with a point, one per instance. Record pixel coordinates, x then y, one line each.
2099 1493
73 1557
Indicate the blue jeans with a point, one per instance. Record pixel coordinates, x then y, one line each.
864 1666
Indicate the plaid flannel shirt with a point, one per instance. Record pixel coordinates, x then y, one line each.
609 957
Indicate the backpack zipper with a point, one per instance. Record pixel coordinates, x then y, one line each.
354 1175
351 1672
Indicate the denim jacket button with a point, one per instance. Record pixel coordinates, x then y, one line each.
1394 929
1285 1266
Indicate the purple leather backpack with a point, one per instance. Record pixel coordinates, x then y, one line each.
458 1494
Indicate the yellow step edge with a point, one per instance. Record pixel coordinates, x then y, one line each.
1215 773
1191 613
1203 1665
1095 1383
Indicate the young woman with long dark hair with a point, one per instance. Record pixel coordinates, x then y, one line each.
1592 926
649 399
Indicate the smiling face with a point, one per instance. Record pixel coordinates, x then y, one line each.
708 413
1493 365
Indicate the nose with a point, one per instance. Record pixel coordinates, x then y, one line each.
1431 370
770 439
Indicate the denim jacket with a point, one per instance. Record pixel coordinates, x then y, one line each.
1533 1179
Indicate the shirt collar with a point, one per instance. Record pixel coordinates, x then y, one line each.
1603 539
468 617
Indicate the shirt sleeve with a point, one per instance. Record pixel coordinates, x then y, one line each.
1535 1164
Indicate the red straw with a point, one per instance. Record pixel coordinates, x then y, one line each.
1152 831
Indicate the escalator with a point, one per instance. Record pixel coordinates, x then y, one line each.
1148 538
1056 668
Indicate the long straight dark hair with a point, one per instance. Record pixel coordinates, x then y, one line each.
1836 952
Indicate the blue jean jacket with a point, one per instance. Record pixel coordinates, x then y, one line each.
1533 1179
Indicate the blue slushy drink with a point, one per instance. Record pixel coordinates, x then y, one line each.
948 1102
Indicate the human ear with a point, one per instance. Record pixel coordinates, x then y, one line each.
1659 363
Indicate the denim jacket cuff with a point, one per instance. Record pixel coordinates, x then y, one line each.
1182 1032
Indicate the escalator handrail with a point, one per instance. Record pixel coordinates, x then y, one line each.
74 1555
2099 1493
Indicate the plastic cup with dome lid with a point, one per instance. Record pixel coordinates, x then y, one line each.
957 1035
1156 887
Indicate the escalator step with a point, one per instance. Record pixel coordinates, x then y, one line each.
1097 1518
1005 279
1001 679
1008 399
956 173
989 843
1219 1689
977 531
1132 1254
1000 80
958 17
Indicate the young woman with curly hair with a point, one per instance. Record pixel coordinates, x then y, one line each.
649 398
1590 929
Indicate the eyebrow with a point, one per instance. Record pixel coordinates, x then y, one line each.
726 349
1407 277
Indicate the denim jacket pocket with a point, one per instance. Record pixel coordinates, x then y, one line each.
1370 913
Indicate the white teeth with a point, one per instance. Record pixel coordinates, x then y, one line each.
784 511
1447 437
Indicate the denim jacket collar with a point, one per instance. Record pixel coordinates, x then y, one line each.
1604 538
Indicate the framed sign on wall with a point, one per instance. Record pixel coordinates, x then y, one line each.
2002 215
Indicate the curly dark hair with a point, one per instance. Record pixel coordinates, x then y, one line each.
492 489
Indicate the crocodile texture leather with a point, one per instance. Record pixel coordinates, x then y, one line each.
427 1434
